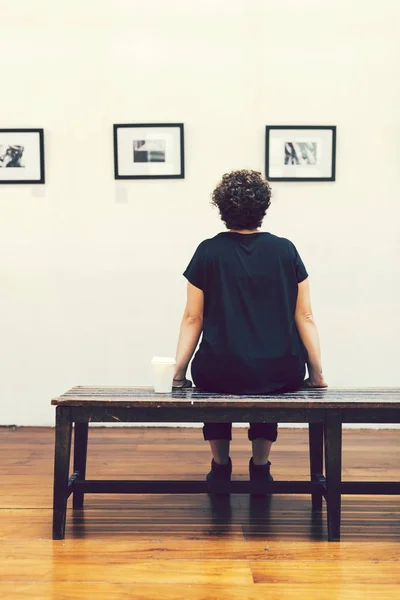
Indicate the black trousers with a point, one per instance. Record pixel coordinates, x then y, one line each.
203 379
223 431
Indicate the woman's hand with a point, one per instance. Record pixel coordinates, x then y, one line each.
179 380
181 383
315 381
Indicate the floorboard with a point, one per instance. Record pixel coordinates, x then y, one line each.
191 547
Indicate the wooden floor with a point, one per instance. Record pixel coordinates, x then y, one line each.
177 547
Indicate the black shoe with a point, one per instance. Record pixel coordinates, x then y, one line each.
259 476
219 477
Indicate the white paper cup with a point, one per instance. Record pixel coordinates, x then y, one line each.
163 374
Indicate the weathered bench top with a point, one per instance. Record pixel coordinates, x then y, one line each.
130 397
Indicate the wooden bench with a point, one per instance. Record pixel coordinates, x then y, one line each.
323 410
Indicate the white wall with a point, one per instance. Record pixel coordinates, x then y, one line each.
90 267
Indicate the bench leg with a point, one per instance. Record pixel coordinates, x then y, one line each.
316 445
333 468
80 454
61 470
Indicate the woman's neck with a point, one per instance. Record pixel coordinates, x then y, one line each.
243 231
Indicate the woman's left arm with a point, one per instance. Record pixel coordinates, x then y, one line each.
191 328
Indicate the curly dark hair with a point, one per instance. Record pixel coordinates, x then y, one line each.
242 198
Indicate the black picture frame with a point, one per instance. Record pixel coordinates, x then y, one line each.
41 162
181 162
271 128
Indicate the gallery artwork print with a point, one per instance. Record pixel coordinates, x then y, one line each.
300 153
149 151
11 156
21 156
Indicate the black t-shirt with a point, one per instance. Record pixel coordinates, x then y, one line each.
250 342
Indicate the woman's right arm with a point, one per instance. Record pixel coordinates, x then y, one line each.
309 336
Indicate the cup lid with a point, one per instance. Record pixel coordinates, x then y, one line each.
163 360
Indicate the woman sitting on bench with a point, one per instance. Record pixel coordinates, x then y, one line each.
248 294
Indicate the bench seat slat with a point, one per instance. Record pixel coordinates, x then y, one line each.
145 397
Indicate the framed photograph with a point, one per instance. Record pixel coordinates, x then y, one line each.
149 151
300 153
21 156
